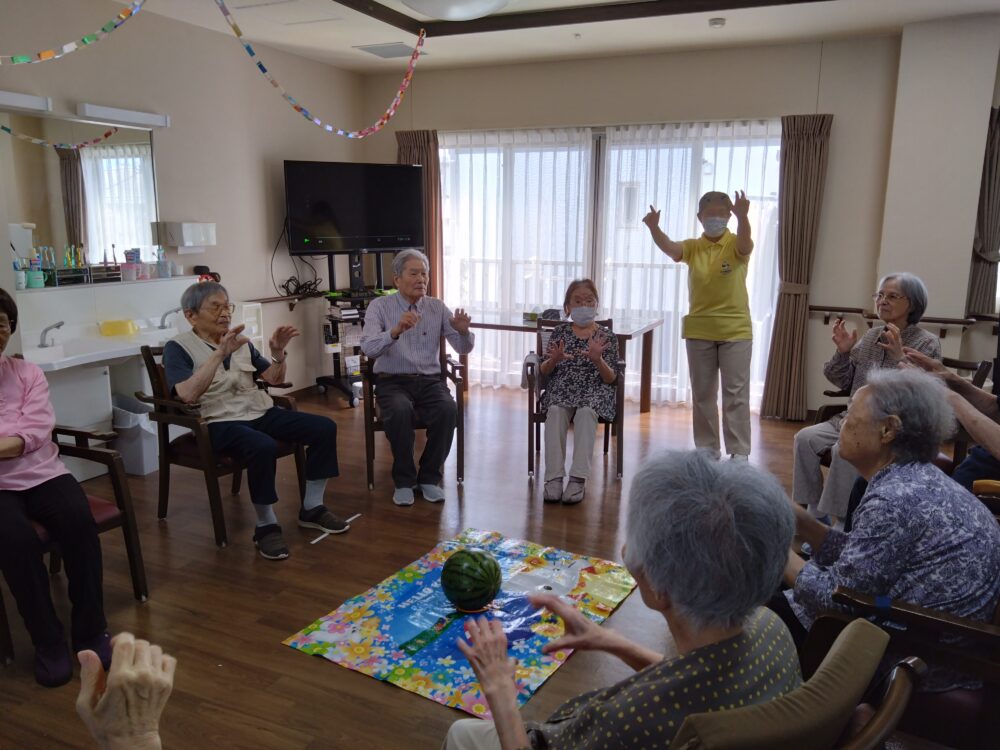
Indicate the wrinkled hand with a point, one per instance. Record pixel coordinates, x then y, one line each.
486 651
843 339
652 219
597 345
580 634
407 321
892 341
460 321
922 361
232 340
557 353
122 709
280 338
741 204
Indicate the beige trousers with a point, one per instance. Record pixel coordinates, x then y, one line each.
584 434
472 734
808 488
706 361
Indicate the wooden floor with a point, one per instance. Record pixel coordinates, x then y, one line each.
224 612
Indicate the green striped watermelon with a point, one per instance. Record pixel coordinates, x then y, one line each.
471 579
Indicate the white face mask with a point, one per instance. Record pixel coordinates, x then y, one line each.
583 316
715 225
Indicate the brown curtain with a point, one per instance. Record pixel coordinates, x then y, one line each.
421 147
74 196
805 145
986 241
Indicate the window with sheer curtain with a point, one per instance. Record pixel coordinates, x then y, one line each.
527 211
121 201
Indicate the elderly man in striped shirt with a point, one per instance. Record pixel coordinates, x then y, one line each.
402 333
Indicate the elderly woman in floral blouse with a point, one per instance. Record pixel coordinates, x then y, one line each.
900 303
581 365
917 535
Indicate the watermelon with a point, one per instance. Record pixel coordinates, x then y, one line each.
471 579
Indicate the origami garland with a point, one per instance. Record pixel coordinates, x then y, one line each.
76 146
55 54
363 133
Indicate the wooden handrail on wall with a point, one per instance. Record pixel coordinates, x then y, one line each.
944 323
838 312
871 317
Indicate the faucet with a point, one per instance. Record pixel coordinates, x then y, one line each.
163 318
42 343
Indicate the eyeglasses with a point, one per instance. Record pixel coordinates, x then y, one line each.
891 296
4 326
217 308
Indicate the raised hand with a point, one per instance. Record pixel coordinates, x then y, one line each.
557 352
597 345
652 219
232 340
580 633
406 321
460 321
122 709
891 340
280 338
486 650
842 338
741 204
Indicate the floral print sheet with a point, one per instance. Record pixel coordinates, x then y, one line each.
404 630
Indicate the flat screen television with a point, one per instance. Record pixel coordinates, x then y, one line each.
340 207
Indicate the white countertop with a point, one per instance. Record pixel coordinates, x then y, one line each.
97 350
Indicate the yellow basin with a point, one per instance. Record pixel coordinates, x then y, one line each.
118 327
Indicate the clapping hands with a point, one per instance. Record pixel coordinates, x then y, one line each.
280 338
596 346
891 341
842 338
232 340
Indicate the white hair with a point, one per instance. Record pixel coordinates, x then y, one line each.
400 260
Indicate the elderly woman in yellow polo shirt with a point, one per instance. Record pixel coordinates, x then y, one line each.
717 327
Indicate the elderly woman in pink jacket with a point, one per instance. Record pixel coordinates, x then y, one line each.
36 486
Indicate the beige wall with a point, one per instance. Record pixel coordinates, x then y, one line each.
853 79
221 158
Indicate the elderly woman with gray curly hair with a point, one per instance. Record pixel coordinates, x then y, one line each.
917 535
706 542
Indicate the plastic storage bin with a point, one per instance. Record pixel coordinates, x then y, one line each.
136 441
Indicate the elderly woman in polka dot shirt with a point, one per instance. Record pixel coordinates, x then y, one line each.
706 542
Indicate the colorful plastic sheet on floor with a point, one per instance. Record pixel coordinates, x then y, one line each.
404 630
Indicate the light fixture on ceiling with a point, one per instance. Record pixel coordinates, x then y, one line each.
114 116
716 23
455 10
24 102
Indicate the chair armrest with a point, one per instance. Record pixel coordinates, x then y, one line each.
169 403
83 437
986 487
921 618
264 385
828 411
842 393
454 370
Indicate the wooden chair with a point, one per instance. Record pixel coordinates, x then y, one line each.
816 715
988 492
451 370
193 450
980 371
957 718
108 515
536 388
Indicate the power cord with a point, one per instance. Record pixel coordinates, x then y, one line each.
293 286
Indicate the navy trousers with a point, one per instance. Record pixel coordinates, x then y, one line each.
405 399
256 443
978 464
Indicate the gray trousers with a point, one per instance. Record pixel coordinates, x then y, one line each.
808 488
472 734
584 433
706 361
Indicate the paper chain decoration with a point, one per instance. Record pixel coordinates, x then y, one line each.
75 146
363 133
55 54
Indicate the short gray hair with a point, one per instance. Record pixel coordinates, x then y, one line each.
915 291
713 536
400 260
196 294
920 402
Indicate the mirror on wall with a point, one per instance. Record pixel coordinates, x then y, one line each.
102 196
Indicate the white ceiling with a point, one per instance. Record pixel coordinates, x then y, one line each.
325 31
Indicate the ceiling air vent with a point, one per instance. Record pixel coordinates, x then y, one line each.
388 51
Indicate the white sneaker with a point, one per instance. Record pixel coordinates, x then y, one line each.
432 493
739 458
403 496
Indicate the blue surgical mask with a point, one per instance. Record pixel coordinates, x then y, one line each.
583 316
715 225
